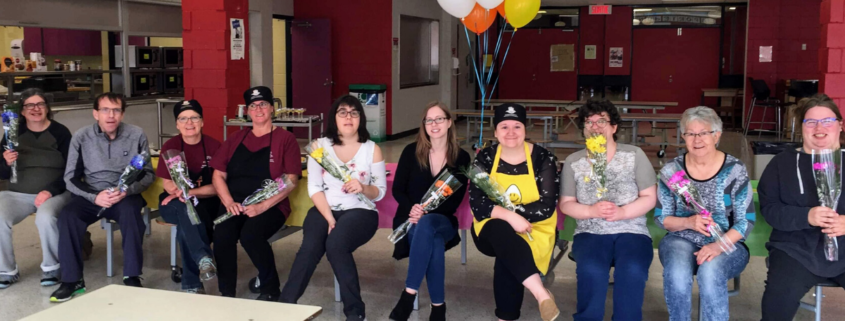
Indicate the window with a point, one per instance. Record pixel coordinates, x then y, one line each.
686 16
419 52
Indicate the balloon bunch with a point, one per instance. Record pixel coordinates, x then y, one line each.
478 16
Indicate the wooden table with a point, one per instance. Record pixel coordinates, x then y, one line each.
726 101
118 302
572 105
546 116
653 118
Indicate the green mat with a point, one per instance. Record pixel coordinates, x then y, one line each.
756 242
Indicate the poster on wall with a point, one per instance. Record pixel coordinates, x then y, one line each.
615 60
765 53
562 57
236 42
590 52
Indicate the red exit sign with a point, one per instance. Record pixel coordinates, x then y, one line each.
601 9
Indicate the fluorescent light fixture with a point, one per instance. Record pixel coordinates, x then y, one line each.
541 11
642 10
732 8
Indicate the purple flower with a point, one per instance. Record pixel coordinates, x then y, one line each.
820 166
362 175
8 116
138 162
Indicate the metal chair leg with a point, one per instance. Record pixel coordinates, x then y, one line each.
750 113
336 290
417 301
762 120
173 232
818 308
109 227
464 247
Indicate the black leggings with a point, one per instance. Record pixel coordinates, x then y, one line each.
514 264
787 282
253 233
354 228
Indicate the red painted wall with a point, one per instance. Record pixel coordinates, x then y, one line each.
785 25
592 31
531 76
618 34
361 42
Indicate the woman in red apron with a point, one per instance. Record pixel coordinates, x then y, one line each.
529 175
249 157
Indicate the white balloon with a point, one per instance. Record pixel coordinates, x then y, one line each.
457 8
490 4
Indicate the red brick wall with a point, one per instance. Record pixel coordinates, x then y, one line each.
832 50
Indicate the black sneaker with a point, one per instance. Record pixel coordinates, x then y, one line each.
132 281
50 278
7 280
67 291
438 313
268 297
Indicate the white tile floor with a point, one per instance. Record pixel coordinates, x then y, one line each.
468 287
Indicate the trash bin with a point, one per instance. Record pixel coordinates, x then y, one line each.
765 151
374 100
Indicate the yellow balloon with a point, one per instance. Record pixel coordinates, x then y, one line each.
521 12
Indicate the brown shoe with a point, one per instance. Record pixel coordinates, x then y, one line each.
548 308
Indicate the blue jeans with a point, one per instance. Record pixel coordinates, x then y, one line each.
428 254
193 239
679 266
630 255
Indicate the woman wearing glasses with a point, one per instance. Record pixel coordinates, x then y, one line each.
339 222
790 204
194 240
611 226
249 157
41 158
434 232
689 250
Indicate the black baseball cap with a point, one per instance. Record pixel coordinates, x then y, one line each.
509 111
259 93
187 105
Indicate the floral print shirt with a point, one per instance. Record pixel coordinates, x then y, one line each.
362 168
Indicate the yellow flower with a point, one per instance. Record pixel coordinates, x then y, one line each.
317 154
586 179
600 149
600 139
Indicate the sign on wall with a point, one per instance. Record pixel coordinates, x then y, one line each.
236 42
615 60
563 57
590 52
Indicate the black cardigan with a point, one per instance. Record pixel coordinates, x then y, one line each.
409 187
785 207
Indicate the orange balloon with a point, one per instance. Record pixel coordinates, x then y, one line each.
480 19
501 9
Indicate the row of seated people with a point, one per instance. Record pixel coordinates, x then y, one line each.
65 180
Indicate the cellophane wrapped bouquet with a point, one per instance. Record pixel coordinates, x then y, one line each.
444 186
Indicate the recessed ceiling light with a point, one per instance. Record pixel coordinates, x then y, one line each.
642 10
732 8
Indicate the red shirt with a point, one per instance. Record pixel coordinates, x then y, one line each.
193 155
284 154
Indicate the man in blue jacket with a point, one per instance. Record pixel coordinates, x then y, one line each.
96 159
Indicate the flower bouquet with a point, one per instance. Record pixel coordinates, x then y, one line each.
10 127
176 166
826 173
679 183
444 186
597 156
269 189
479 177
130 174
336 169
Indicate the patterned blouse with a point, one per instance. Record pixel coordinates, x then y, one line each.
628 173
727 195
546 177
363 169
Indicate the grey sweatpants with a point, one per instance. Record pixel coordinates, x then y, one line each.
14 208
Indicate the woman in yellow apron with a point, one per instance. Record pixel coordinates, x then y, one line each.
611 225
529 174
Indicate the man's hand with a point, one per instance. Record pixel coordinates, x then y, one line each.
10 156
107 198
42 197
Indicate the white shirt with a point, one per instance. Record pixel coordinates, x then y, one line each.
362 168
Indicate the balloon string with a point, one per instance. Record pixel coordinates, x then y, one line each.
478 79
508 49
496 52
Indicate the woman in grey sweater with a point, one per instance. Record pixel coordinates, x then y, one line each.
41 157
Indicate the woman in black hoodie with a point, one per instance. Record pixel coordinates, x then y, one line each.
790 204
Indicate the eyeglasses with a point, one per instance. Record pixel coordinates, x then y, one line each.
262 105
107 111
826 122
438 120
40 105
697 135
343 113
601 123
194 119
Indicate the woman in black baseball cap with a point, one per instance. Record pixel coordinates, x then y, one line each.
194 240
244 162
522 241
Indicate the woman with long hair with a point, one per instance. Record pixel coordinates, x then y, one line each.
436 150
